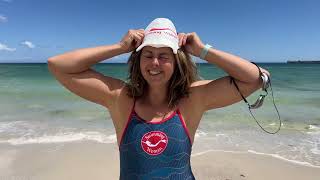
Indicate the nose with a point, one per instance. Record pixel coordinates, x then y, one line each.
155 61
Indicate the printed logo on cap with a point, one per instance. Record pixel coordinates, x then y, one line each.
154 142
165 31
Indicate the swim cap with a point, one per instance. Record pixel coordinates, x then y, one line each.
160 33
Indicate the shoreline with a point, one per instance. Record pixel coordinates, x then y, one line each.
231 165
306 164
90 160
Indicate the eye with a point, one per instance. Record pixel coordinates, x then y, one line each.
148 57
163 57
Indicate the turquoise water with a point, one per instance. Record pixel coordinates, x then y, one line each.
35 108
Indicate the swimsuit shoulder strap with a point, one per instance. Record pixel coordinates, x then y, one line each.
133 106
128 121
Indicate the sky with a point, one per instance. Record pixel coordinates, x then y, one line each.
256 30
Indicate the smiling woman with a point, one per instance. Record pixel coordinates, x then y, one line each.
157 112
182 72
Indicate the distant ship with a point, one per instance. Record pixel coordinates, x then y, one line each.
304 62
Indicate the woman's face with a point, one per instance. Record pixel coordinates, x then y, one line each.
157 65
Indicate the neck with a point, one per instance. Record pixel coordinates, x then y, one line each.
156 96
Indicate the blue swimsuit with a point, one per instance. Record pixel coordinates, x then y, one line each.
155 150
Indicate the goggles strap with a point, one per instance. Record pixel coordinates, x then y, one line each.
249 106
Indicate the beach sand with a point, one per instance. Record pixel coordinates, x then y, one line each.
89 160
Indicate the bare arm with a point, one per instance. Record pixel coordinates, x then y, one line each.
82 59
72 70
221 92
241 69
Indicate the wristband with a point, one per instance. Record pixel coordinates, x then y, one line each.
204 51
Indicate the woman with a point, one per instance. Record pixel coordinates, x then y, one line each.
157 112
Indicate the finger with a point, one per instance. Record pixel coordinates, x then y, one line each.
141 31
180 37
137 34
137 44
138 40
130 38
184 41
140 34
189 37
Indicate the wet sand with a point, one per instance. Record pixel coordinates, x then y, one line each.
89 160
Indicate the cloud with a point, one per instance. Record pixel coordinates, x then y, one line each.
28 44
3 19
4 47
8 1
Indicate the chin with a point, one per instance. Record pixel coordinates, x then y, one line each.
156 83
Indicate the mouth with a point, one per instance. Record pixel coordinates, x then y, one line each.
154 72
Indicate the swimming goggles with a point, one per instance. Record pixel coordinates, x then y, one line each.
266 83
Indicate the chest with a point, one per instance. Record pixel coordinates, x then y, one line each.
188 113
169 136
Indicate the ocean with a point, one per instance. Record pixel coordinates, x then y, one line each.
35 109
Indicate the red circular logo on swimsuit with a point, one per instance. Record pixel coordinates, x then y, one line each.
154 142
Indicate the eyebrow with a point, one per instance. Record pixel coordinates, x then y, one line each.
163 53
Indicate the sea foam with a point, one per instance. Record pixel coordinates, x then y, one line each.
63 137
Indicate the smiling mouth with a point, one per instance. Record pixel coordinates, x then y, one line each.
154 73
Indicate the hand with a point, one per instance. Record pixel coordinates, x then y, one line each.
132 40
191 42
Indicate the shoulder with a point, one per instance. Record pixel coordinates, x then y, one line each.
193 102
199 93
122 99
197 88
200 83
121 108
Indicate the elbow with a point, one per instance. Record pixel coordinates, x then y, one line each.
263 79
266 72
258 83
51 63
51 60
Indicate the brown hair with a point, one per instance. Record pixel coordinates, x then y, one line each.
184 74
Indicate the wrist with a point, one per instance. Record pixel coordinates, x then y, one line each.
204 51
120 47
200 49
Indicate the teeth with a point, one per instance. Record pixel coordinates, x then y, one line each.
154 72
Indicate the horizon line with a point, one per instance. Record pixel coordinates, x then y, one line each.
272 62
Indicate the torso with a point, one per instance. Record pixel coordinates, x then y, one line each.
157 149
122 110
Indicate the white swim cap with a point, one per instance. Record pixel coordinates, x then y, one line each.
160 33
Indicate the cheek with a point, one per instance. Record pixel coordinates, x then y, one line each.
170 68
142 68
143 63
171 65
